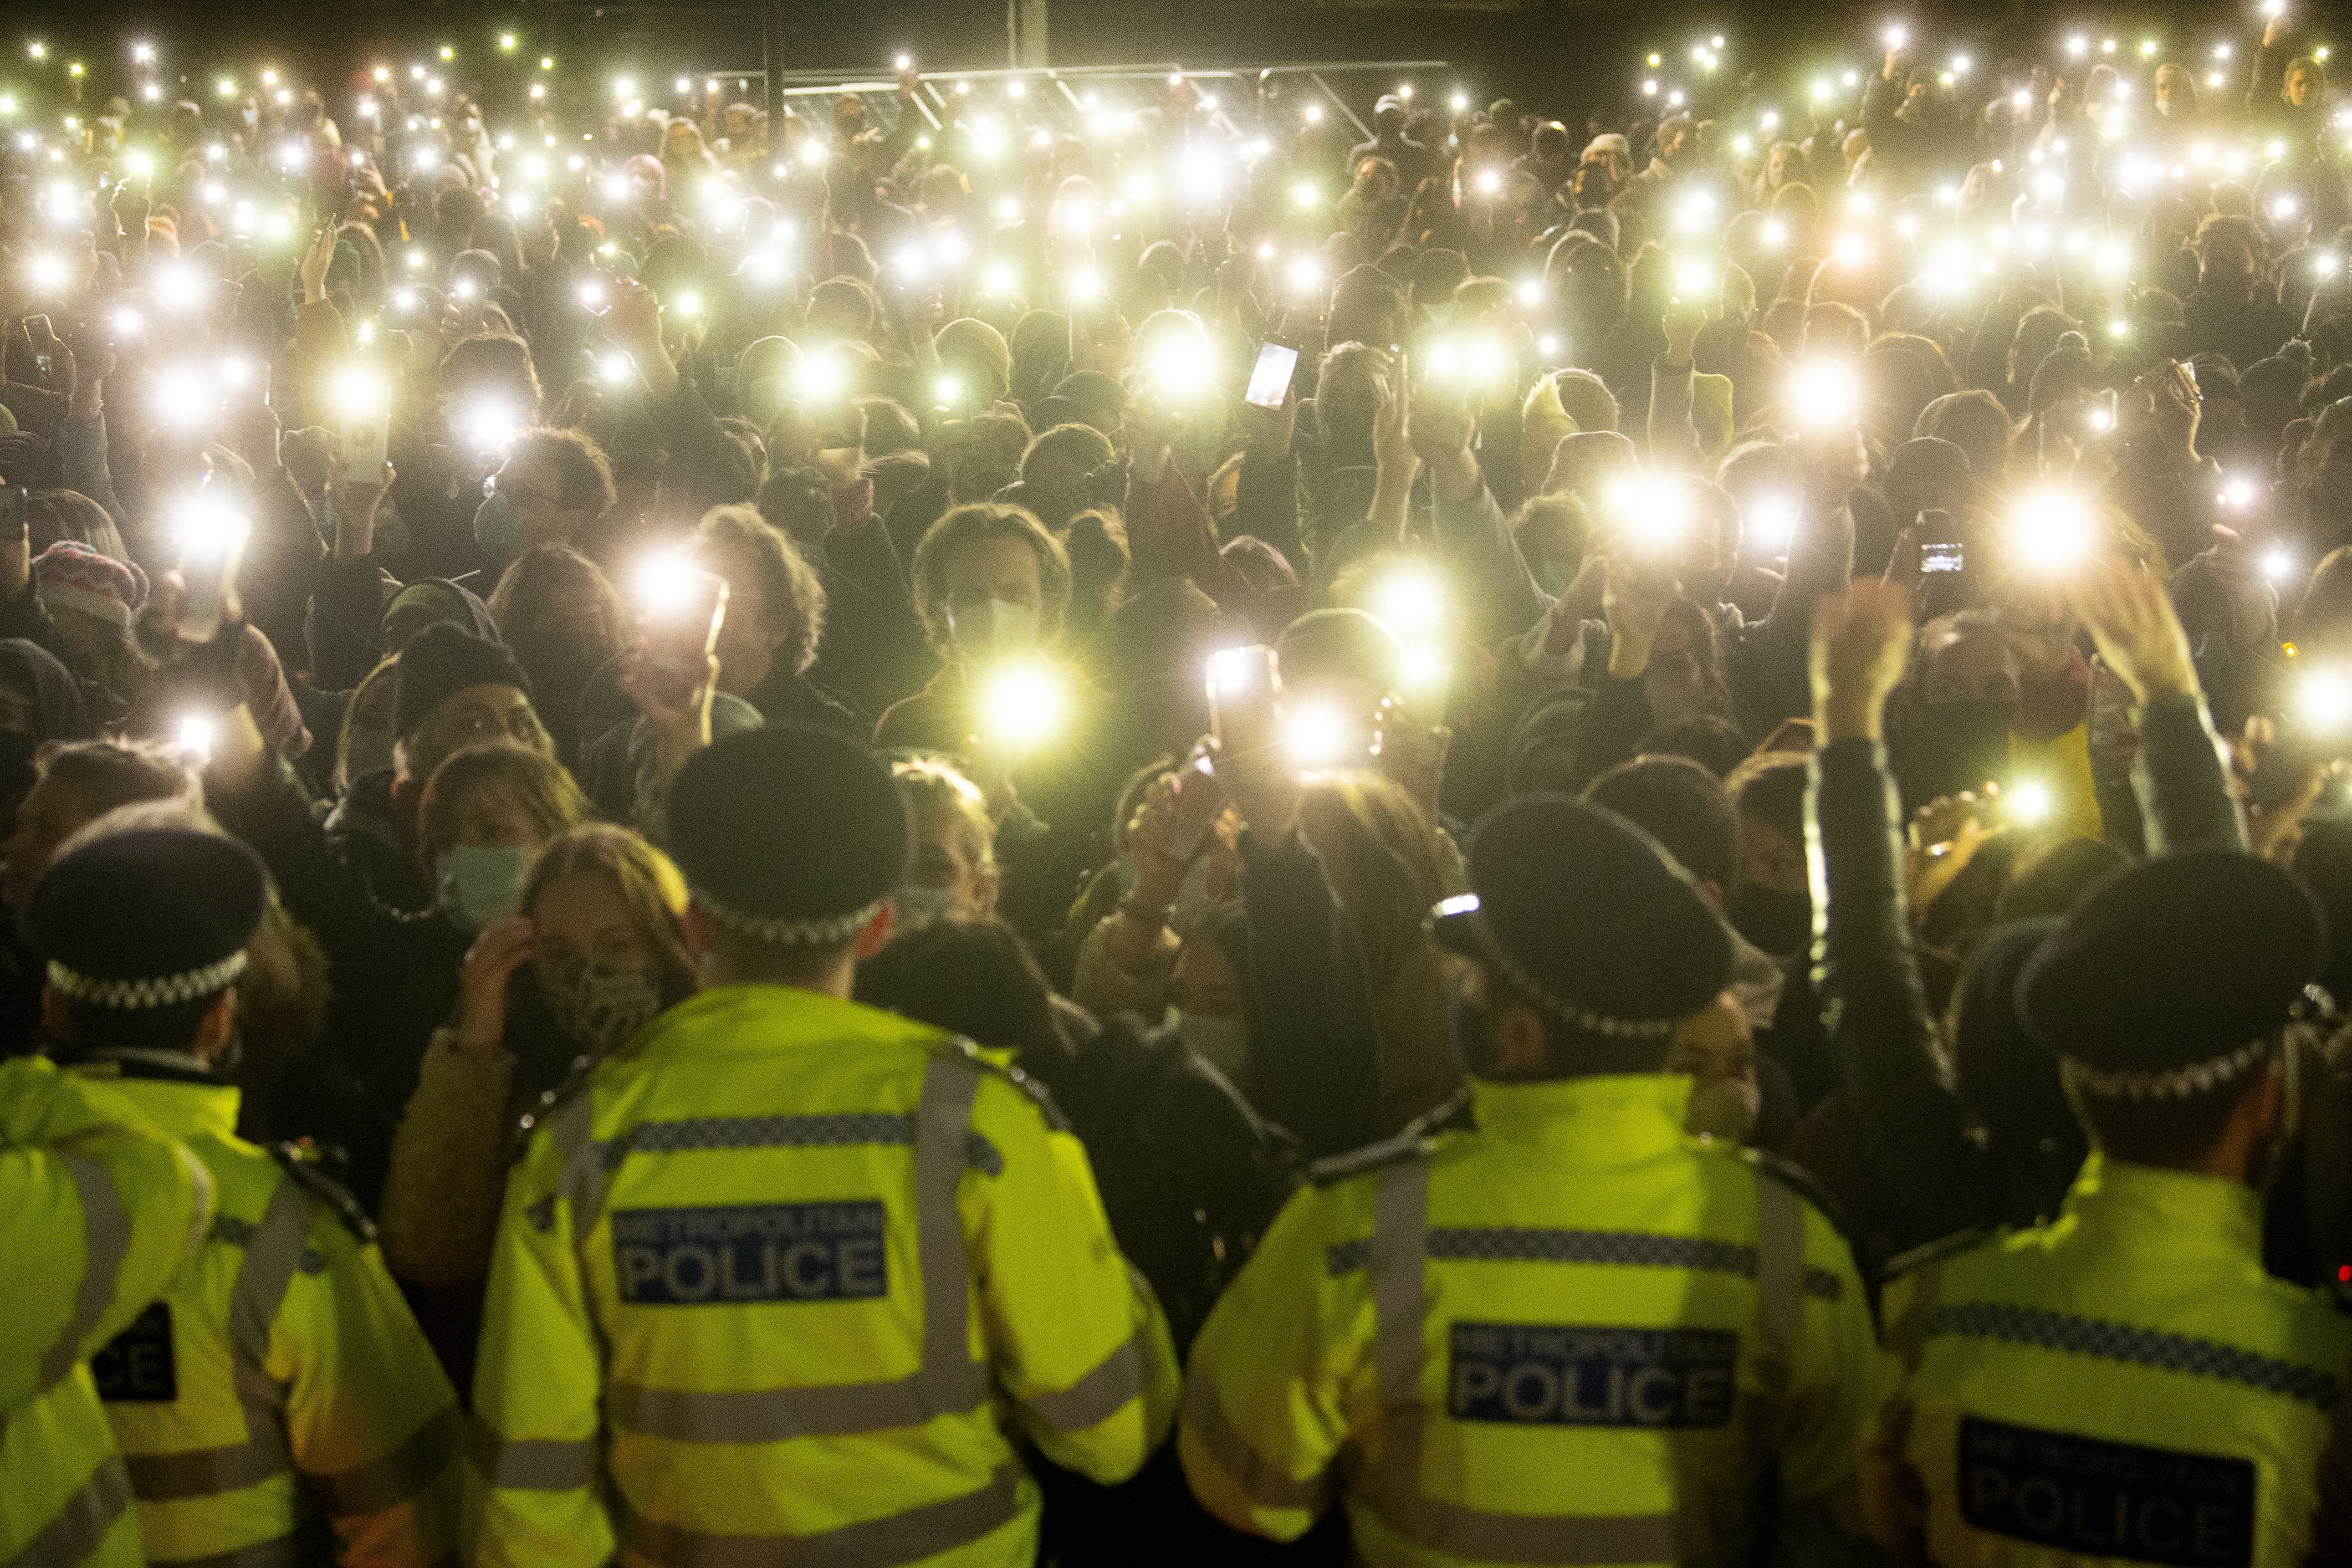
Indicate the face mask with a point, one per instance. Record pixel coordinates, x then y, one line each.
478 886
599 1007
1556 576
497 529
1222 1041
918 907
1725 1110
994 629
1781 923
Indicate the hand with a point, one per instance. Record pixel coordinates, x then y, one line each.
2130 616
2275 31
1150 835
677 705
2274 832
1861 641
1152 426
1264 785
634 319
355 502
1270 430
1945 835
1392 451
500 950
1634 605
1441 431
1832 465
1681 324
1413 754
315 264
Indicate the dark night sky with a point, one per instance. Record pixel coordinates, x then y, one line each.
1551 56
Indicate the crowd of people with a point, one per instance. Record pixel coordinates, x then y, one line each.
1241 835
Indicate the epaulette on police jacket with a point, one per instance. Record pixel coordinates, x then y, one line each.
1936 1251
1790 1174
302 1169
1027 1083
1418 1141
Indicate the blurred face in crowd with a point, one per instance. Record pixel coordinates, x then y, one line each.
1966 663
2301 87
580 917
1674 681
535 491
479 715
1715 1050
752 628
994 584
951 862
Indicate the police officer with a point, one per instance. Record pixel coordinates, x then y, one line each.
1569 1332
2126 1384
277 1403
98 1210
784 1279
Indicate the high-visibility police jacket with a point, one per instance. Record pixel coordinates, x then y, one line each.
772 1283
1574 1334
98 1209
2124 1384
278 1403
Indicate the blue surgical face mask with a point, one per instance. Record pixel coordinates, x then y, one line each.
477 885
497 529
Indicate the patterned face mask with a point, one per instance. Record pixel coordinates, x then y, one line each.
600 1007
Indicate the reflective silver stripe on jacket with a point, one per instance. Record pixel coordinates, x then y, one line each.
906 1537
397 1477
1398 1256
535 1463
947 1382
105 1237
1205 1420
286 1552
82 1522
274 1249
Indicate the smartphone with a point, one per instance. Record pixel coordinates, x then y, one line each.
1244 691
1270 378
1948 555
366 441
2099 413
12 513
1199 798
244 380
212 537
41 335
679 627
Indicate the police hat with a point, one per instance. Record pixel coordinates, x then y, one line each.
150 917
1584 913
788 835
2171 976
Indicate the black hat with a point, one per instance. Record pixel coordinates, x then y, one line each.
787 835
1584 913
2171 976
147 919
441 661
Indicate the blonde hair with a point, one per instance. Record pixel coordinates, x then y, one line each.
536 783
930 783
649 885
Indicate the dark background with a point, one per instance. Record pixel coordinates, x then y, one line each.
1556 58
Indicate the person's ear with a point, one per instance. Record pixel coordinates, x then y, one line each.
702 932
875 935
215 1029
1518 1043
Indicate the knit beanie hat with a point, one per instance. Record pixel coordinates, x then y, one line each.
70 575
